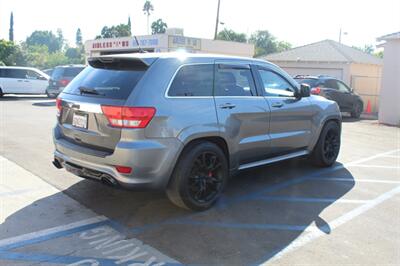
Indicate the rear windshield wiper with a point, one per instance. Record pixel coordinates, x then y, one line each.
88 90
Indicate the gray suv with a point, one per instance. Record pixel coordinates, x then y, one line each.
184 122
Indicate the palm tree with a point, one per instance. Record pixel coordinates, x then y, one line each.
147 8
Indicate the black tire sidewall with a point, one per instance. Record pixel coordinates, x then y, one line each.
318 156
184 169
357 110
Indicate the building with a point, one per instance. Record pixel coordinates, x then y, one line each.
360 70
172 40
389 111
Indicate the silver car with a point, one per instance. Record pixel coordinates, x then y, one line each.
184 122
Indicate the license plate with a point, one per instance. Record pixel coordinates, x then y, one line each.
80 120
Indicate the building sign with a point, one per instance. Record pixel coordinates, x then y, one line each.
184 42
110 44
124 43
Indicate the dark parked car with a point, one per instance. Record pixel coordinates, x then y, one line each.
60 77
335 90
184 122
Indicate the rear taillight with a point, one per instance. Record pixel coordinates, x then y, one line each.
316 90
63 82
128 117
59 106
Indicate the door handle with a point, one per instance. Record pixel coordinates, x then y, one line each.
227 106
277 105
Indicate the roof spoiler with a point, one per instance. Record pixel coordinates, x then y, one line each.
120 63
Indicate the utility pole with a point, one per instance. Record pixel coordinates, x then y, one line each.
217 22
340 35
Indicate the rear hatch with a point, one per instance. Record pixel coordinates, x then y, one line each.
90 106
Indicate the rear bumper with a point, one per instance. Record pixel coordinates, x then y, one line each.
152 162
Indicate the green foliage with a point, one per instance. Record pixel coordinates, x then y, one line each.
11 54
148 7
158 26
46 38
368 48
378 54
121 30
230 35
78 37
265 43
129 23
11 32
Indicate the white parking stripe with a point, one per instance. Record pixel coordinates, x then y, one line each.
376 166
308 237
344 179
48 231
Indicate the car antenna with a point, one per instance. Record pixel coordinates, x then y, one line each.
140 48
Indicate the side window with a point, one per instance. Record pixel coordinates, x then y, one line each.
15 73
331 84
193 80
32 75
234 82
275 85
342 87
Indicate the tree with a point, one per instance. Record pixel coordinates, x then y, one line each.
11 54
368 48
121 30
129 24
264 43
230 35
147 9
11 32
283 46
78 37
54 43
158 26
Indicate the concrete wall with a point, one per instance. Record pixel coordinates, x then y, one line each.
365 79
389 112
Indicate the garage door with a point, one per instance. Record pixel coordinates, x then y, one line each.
333 72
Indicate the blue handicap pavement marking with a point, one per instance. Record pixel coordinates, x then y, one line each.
98 243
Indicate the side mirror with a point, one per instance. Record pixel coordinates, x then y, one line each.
304 91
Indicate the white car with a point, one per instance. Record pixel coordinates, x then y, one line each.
22 80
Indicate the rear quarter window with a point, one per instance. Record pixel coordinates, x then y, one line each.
109 83
193 80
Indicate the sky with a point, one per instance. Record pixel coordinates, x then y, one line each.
297 22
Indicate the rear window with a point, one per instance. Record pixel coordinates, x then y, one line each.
60 72
312 82
109 83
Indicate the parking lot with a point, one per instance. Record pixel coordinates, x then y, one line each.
288 213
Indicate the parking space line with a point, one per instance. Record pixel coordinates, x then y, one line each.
308 237
344 179
392 156
50 233
310 200
284 227
376 166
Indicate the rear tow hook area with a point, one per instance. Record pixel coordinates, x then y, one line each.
57 164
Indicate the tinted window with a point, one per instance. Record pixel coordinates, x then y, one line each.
14 73
331 84
111 83
275 85
234 82
57 73
193 80
311 82
72 71
33 75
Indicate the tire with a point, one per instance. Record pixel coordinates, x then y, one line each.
327 148
357 110
51 95
1 93
199 177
